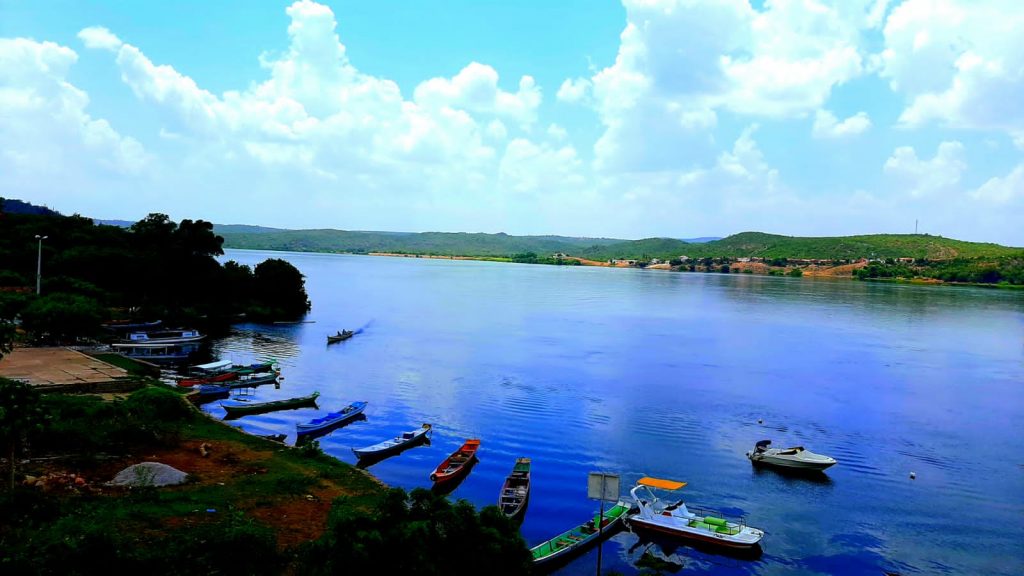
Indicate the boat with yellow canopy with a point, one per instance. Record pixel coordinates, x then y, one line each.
677 520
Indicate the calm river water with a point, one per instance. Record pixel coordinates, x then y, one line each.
668 374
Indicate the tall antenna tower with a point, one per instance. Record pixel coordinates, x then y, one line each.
915 226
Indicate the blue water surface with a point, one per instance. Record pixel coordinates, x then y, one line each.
668 374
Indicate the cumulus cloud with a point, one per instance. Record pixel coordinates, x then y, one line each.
475 88
573 91
99 37
49 143
922 177
1002 191
826 125
958 63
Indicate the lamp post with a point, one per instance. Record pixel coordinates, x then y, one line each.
39 265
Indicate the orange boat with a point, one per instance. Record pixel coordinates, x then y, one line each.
456 464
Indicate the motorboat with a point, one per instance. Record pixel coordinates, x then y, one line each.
796 457
675 519
340 336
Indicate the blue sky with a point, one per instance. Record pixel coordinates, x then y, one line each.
645 118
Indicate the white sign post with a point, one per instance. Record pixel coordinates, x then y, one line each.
603 487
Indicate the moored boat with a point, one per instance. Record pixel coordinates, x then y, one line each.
675 519
243 408
164 337
253 381
456 464
332 419
515 493
580 537
396 444
189 382
797 457
343 335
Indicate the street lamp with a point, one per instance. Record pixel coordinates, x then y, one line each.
39 264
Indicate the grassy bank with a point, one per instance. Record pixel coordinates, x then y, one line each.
249 506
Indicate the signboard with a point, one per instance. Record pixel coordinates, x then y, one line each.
603 487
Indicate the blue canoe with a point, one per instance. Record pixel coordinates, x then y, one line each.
334 418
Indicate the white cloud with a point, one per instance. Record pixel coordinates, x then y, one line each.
826 125
557 133
573 91
920 177
99 37
958 63
475 88
49 143
665 88
1001 191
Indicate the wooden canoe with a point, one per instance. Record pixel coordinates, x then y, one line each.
243 408
332 419
575 540
456 464
515 493
343 335
189 382
396 444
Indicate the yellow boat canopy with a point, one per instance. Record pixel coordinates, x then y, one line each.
659 483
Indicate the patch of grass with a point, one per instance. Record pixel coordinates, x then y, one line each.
127 364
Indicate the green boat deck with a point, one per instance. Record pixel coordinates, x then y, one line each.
576 535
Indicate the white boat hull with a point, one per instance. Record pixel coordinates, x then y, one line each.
793 459
741 541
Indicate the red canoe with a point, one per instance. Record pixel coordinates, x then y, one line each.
454 465
188 382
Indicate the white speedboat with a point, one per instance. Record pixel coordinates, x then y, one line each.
796 457
675 519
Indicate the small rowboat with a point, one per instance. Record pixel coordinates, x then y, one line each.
580 537
343 335
396 444
454 465
333 419
253 381
189 382
243 408
212 389
516 491
258 368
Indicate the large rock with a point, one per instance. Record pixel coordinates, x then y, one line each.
149 474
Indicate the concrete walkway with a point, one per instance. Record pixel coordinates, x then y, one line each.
58 368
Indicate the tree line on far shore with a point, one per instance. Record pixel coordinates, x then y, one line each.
156 269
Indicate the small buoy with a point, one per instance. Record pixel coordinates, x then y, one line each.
760 421
913 476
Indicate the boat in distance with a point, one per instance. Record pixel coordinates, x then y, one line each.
515 492
242 408
332 419
457 463
395 444
580 537
797 457
343 335
675 519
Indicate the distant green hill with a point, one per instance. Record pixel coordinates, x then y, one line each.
759 244
745 244
440 243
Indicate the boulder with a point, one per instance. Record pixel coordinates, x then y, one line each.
149 474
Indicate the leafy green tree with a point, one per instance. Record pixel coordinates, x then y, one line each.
795 273
279 286
20 415
59 316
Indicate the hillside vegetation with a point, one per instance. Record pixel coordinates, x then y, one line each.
437 243
759 244
745 244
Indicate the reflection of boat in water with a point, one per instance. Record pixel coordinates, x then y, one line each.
394 445
575 540
516 491
343 335
677 520
797 457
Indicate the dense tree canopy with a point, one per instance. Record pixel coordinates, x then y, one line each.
156 269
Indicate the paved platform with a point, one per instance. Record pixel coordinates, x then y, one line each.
59 369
